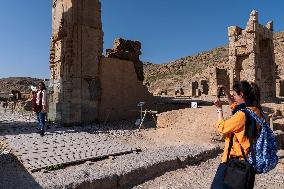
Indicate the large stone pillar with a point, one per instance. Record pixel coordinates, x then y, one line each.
251 55
75 58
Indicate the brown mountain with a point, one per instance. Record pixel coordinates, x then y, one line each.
17 83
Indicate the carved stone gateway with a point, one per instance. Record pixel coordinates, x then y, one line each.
251 55
85 86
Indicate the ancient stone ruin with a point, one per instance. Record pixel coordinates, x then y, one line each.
280 87
86 86
279 58
128 50
251 58
251 55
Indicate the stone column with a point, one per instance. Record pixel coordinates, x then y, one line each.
251 55
75 56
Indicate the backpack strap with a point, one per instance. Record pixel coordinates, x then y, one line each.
253 114
250 129
243 152
230 148
249 136
263 116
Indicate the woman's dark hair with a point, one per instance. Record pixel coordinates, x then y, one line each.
251 93
43 85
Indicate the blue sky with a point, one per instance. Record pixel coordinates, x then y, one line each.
167 29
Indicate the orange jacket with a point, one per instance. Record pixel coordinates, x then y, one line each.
236 125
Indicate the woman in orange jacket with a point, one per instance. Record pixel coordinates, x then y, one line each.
245 95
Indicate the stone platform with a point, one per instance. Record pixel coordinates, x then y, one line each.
83 150
59 146
37 152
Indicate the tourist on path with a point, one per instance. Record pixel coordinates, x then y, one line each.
39 107
245 95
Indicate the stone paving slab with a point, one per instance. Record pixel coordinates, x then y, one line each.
127 170
65 146
72 143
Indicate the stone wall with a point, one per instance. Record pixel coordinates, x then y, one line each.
280 87
279 58
84 85
279 53
251 55
128 50
207 83
76 48
120 90
222 78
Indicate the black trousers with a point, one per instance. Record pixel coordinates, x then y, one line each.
218 182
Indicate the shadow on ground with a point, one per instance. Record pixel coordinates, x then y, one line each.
13 174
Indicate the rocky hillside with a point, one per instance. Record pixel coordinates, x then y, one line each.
17 83
180 72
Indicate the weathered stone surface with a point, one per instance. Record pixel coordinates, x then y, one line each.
279 58
125 49
121 91
128 50
78 68
253 57
76 48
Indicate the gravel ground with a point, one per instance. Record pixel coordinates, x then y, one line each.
201 176
189 134
160 149
13 176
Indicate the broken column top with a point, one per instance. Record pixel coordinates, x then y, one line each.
251 27
252 22
269 25
128 50
254 16
124 49
127 45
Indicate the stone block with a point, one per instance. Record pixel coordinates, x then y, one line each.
91 51
234 31
253 50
